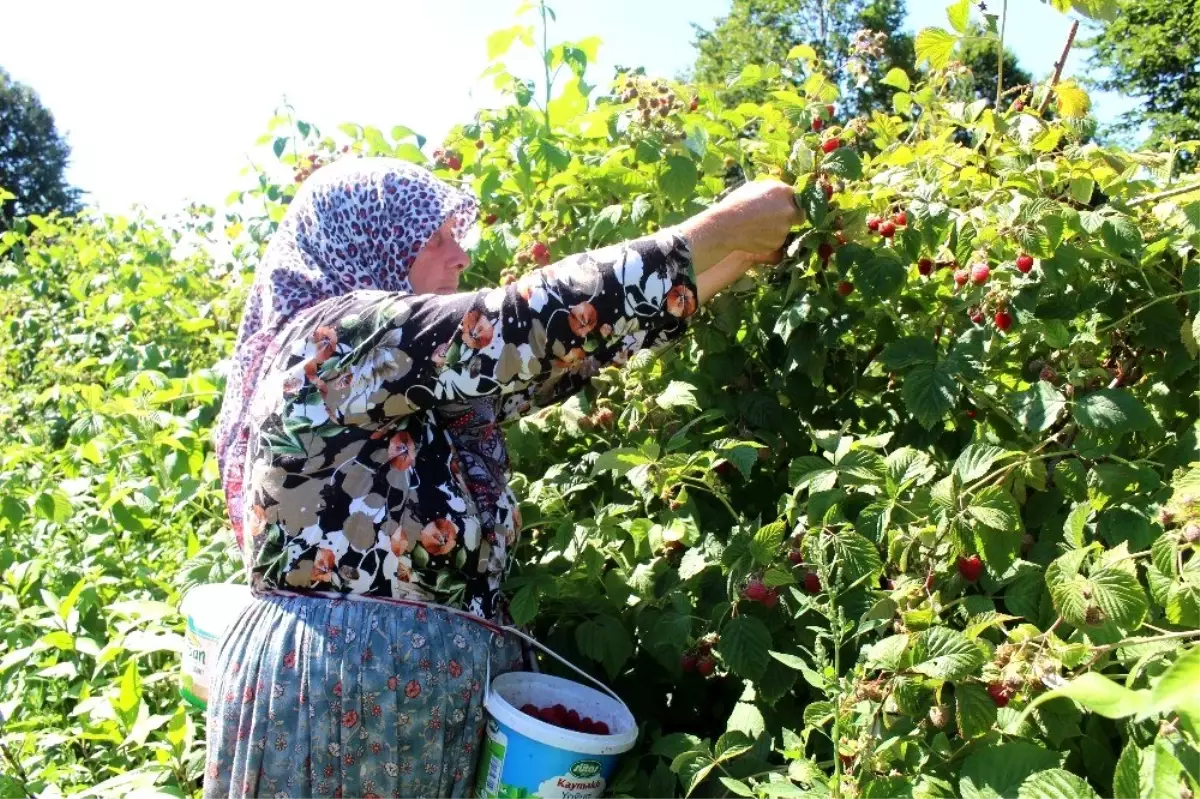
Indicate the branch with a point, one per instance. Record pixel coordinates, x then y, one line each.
1162 195
1058 67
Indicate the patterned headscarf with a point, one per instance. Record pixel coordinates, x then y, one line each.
355 224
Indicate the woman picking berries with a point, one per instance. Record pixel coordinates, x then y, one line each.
365 471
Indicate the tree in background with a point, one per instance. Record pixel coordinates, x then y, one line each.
1150 51
979 55
33 155
764 31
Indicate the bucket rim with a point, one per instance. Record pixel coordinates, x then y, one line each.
580 742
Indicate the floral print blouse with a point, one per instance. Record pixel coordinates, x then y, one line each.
355 484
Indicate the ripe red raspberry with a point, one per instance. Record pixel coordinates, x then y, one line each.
925 267
795 557
1003 320
490 219
901 218
688 661
812 583
454 162
817 124
887 228
604 417
825 250
970 568
971 413
1024 263
705 665
694 104
980 274
1000 693
845 288
829 110
829 145
961 277
873 223
529 709
977 316
771 599
540 252
1018 105
1048 374
754 591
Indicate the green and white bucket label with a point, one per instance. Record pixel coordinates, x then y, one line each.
513 766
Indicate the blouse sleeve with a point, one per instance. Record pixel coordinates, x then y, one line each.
371 356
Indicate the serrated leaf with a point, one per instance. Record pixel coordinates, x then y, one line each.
1125 775
678 181
678 394
1038 407
1119 596
974 710
959 14
809 471
996 772
844 163
944 654
930 392
857 556
935 46
1112 411
1073 101
994 507
861 467
908 351
764 546
898 78
879 274
976 460
888 654
1055 783
605 640
745 643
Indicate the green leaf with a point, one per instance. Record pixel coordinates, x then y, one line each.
1096 694
945 654
678 181
605 639
764 546
620 460
976 460
1113 411
1055 783
994 507
524 605
959 14
736 787
1125 775
844 163
879 274
1119 595
935 46
857 556
1175 689
898 78
678 394
1038 407
1160 775
996 772
975 710
860 467
745 644
499 42
812 472
908 351
930 392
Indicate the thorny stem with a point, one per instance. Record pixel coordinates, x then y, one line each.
1155 301
1162 195
1000 56
1058 68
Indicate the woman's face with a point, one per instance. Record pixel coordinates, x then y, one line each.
439 263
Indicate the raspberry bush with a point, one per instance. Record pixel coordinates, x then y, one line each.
914 513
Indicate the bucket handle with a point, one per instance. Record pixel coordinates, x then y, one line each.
535 642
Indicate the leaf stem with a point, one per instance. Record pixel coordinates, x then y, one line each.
1136 311
1162 195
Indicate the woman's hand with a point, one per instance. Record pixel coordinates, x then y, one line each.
753 220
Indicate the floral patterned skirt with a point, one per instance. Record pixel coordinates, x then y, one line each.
312 696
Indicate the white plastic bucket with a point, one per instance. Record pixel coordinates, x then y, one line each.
526 757
210 609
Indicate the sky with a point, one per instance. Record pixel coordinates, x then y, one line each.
162 102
